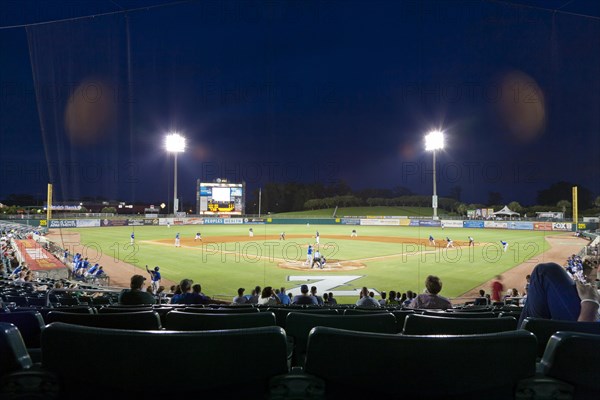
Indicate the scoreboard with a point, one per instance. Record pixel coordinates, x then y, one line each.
220 197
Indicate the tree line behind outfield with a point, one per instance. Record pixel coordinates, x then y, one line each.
286 197
294 196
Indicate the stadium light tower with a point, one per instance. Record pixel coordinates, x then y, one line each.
434 140
175 143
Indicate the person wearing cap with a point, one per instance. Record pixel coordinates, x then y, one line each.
135 295
240 298
305 298
154 278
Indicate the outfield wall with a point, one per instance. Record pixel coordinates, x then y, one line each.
362 221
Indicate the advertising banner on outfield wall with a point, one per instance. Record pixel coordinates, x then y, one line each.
495 224
213 221
452 223
254 220
150 221
380 222
233 221
194 221
88 223
114 222
472 224
165 221
136 222
562 226
350 221
521 225
413 222
542 226
63 223
405 222
429 222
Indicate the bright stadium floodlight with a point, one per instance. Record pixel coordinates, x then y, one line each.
434 140
175 143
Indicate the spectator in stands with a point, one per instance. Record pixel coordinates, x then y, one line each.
526 288
268 297
383 300
313 292
305 298
240 298
332 301
408 298
497 288
325 299
193 295
482 300
283 297
135 295
366 300
553 294
392 300
430 299
255 295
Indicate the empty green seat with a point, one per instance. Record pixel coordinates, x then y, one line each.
420 367
543 329
186 321
431 325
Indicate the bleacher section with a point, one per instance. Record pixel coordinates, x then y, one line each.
287 352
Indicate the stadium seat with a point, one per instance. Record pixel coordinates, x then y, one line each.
222 310
163 364
143 320
19 300
298 326
462 314
67 301
543 329
363 311
431 325
400 317
12 348
29 323
420 367
573 357
112 309
281 312
186 321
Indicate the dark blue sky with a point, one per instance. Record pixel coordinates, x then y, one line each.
300 90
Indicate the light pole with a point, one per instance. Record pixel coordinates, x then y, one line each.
434 141
175 143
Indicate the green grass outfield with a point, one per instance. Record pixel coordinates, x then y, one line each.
223 267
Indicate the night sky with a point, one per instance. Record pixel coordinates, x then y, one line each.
308 91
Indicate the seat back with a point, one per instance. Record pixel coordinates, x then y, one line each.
430 325
298 326
462 314
186 321
29 323
155 364
439 367
363 311
281 313
543 329
223 310
572 357
143 320
12 348
400 317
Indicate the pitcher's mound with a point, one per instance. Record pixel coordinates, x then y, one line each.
331 265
